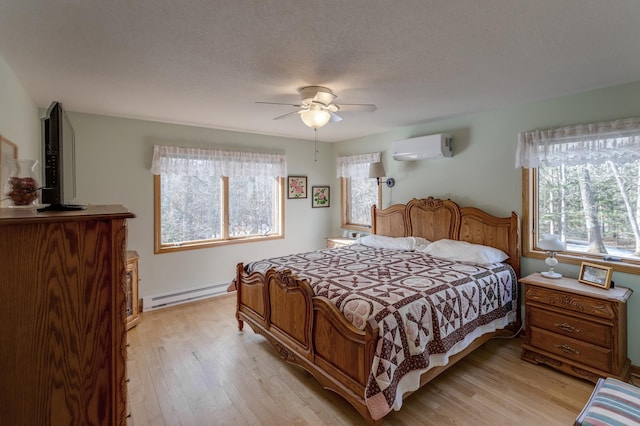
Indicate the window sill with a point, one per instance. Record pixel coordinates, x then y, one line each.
626 266
361 228
209 244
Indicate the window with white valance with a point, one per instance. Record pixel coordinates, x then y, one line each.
617 141
358 192
582 183
209 197
174 160
356 165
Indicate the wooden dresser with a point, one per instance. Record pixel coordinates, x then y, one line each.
62 317
576 328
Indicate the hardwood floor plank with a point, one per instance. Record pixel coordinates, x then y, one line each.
189 365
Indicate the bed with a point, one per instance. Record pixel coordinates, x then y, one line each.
376 346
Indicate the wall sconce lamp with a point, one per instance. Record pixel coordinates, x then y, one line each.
376 170
552 245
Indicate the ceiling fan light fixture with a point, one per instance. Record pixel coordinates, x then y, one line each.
315 117
316 107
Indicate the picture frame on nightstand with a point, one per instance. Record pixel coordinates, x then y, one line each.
596 275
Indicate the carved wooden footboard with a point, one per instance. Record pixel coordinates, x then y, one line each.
309 331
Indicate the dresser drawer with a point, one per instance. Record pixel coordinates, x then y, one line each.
573 302
568 348
577 328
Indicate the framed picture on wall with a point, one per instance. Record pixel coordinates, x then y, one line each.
320 196
297 187
8 151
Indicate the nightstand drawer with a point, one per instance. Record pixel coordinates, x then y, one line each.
568 348
573 302
577 328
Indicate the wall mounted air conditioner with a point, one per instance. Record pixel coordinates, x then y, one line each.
431 146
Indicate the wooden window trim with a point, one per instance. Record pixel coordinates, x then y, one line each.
159 248
345 197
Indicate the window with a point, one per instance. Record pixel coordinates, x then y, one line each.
358 192
208 197
583 183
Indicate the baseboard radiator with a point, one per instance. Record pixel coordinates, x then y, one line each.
150 303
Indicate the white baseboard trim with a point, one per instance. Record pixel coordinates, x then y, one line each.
150 303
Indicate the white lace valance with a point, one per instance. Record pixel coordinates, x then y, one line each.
205 163
356 165
617 141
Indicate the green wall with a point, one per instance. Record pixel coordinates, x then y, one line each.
482 170
114 156
113 161
19 120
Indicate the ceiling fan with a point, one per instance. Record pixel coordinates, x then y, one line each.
316 107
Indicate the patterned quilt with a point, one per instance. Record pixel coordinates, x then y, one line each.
426 308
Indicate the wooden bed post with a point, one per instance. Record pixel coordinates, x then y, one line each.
239 270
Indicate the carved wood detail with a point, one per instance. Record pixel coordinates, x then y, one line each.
284 352
306 329
576 329
573 302
537 358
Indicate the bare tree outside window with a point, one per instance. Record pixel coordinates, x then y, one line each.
252 206
364 194
595 208
190 209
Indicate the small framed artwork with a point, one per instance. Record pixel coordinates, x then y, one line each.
297 187
8 151
320 196
594 274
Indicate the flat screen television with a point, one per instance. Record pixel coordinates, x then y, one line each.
58 161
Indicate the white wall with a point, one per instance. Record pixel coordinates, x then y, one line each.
482 173
114 156
19 120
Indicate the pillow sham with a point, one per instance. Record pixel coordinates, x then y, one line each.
462 251
393 243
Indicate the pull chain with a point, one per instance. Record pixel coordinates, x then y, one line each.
315 149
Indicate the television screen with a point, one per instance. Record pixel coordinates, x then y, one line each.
58 158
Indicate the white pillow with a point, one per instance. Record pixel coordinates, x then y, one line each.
461 251
393 243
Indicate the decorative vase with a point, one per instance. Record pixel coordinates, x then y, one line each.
22 186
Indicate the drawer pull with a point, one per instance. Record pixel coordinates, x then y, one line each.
567 349
567 327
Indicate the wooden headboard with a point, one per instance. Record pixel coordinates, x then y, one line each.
435 219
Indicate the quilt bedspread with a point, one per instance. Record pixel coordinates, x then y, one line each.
425 308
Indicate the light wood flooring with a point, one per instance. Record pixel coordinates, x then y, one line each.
189 365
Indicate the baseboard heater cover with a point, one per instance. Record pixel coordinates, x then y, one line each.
150 303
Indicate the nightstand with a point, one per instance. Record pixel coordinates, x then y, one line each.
576 328
333 242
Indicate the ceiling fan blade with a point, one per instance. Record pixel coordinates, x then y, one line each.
325 98
279 103
280 117
357 107
335 118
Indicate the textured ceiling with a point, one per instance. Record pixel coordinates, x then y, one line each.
205 63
